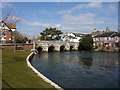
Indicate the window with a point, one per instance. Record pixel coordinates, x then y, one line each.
116 44
116 38
9 38
107 38
94 39
0 32
4 33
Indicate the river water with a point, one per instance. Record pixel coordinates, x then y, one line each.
79 69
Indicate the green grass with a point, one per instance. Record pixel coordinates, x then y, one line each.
16 74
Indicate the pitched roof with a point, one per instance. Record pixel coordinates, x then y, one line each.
70 36
106 34
116 34
97 32
97 35
78 34
10 25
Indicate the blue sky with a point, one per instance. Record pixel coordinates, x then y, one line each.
79 17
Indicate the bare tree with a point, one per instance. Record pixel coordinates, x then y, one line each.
8 14
19 38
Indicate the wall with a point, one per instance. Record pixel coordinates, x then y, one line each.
24 46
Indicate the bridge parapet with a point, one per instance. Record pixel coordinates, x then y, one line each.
45 45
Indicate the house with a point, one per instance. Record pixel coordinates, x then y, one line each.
107 39
71 37
96 32
116 38
6 32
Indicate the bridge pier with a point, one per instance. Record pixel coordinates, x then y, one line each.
67 48
57 48
76 48
45 49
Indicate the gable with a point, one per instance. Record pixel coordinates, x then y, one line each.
7 26
11 26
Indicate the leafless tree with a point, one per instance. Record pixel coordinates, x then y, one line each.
8 14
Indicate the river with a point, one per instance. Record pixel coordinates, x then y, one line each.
77 69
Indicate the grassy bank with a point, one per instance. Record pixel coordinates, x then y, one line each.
16 74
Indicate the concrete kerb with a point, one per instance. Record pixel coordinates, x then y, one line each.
29 57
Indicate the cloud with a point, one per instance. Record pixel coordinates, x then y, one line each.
78 29
57 25
89 5
81 6
112 9
70 18
81 19
38 24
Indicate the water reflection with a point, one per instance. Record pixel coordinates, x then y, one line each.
86 58
79 69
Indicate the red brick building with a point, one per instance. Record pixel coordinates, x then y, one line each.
6 32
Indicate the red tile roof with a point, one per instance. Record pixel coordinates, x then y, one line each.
11 26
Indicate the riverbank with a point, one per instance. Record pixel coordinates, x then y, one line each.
108 49
16 73
29 58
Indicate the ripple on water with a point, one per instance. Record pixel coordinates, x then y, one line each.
79 69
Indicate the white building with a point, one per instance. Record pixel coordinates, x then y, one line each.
71 37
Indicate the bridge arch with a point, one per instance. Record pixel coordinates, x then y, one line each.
56 45
62 48
79 48
51 48
71 48
39 49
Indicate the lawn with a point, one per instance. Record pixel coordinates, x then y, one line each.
16 74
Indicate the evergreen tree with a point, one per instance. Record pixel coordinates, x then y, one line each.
86 43
51 34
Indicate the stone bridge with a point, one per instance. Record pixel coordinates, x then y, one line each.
47 46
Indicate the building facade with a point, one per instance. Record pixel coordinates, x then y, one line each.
6 32
71 37
107 39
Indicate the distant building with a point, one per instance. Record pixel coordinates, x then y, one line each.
107 39
6 32
71 37
107 29
96 32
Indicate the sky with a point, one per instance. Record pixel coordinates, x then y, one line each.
77 17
